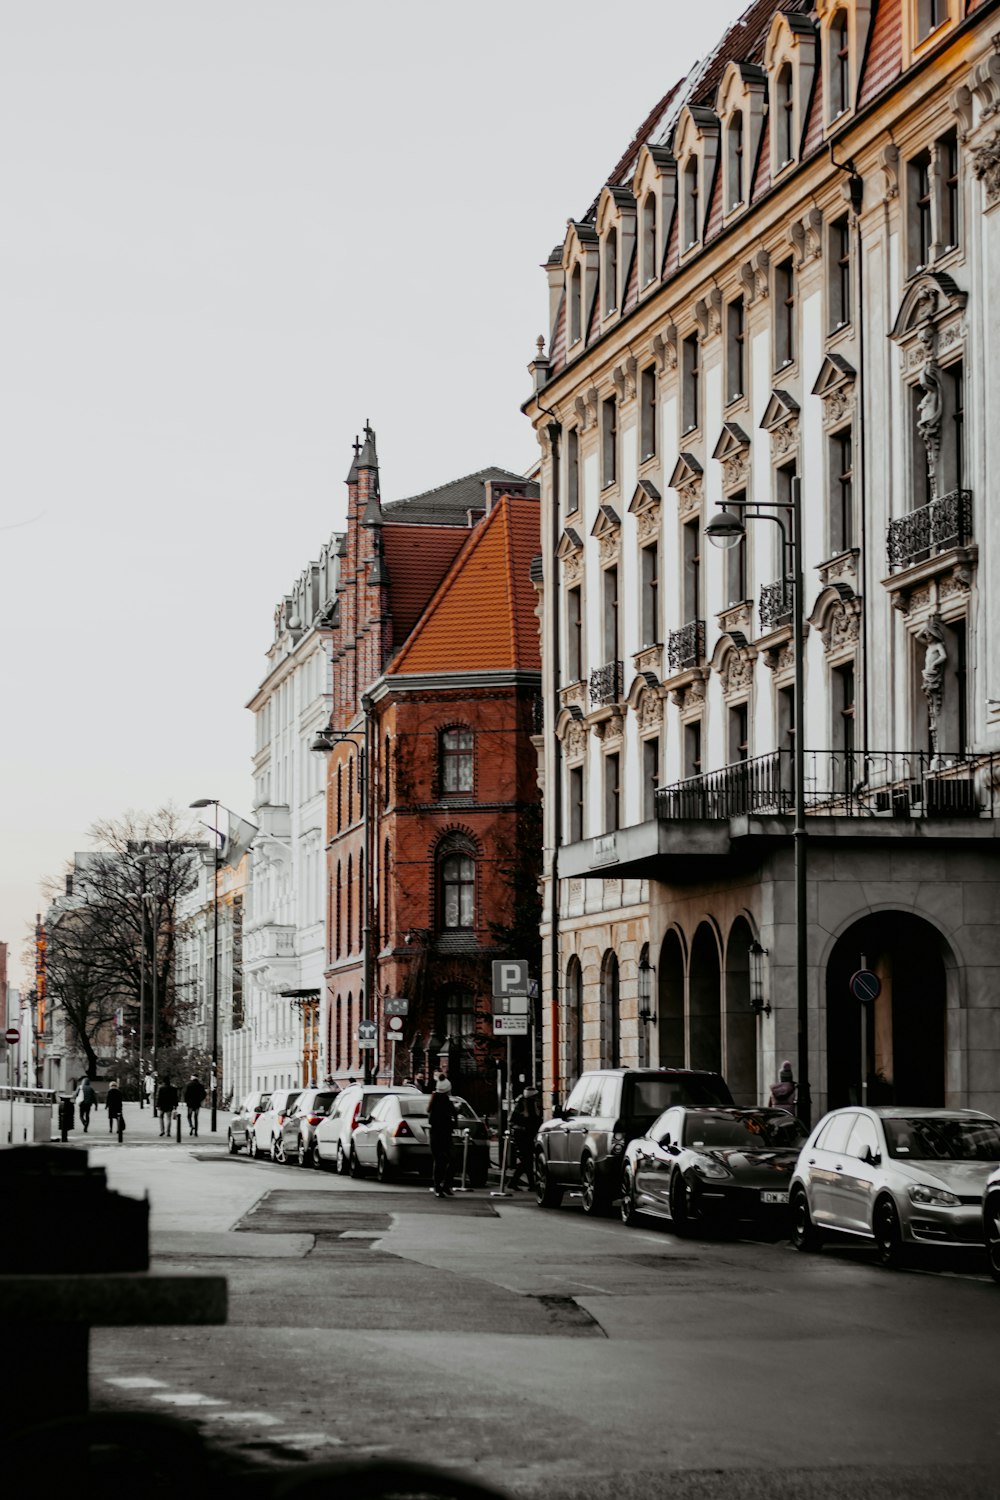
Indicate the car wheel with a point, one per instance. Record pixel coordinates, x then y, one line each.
353 1165
306 1151
590 1188
278 1150
680 1209
341 1159
548 1194
255 1150
383 1171
629 1211
805 1236
888 1235
991 1226
317 1160
231 1145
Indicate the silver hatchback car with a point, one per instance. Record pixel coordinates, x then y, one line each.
899 1176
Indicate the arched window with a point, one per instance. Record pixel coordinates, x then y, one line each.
350 790
456 762
610 1017
384 893
840 65
784 113
340 797
339 1034
385 773
575 305
362 899
574 1020
611 271
735 161
337 914
349 1034
349 947
460 1030
457 875
648 239
689 203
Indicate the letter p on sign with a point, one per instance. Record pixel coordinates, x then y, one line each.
510 981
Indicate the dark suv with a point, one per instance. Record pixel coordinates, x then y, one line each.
583 1144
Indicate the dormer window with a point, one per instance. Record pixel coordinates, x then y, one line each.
689 203
648 246
930 15
735 162
575 306
611 271
784 114
840 65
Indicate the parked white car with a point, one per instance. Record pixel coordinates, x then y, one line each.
332 1144
265 1136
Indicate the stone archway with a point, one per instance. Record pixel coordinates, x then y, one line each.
906 1038
740 1022
705 1001
670 1002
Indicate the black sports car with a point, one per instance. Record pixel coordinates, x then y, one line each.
713 1166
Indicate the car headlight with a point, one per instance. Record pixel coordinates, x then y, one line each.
921 1193
706 1167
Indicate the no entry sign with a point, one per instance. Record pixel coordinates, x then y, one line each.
11 1036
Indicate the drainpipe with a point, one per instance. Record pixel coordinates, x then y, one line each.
552 590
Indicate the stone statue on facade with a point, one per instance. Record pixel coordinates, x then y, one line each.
932 679
929 413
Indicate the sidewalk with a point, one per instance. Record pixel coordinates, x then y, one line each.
142 1128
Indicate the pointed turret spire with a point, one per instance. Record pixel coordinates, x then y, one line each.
352 477
368 458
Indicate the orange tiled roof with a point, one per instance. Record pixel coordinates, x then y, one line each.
417 557
482 617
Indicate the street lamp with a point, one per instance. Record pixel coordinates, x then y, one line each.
727 528
214 802
645 988
756 955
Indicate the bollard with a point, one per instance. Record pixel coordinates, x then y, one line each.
121 1128
465 1164
65 1117
177 1117
503 1192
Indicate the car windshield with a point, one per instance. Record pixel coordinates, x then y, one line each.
321 1103
651 1096
943 1138
751 1130
412 1108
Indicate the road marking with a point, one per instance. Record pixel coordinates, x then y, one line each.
251 1418
135 1382
313 1439
575 1281
187 1398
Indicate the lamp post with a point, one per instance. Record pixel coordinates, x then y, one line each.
213 802
726 529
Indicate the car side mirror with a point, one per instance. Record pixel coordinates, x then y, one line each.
872 1158
664 1140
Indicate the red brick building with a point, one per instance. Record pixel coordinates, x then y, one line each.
432 797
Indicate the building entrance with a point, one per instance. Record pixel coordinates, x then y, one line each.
905 1036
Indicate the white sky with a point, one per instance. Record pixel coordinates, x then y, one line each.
234 229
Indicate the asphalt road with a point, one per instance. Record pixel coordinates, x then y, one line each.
548 1354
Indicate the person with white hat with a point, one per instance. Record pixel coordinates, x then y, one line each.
441 1119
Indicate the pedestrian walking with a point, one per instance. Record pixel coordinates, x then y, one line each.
441 1118
149 1091
194 1098
525 1119
784 1091
166 1102
115 1106
85 1101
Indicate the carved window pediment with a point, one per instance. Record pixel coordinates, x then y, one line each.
608 522
930 297
781 409
733 452
646 497
687 479
570 544
835 388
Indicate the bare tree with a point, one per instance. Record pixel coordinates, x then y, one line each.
116 921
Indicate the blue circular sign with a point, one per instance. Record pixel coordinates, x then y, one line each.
865 985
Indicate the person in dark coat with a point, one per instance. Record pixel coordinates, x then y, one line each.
194 1098
85 1101
441 1119
166 1102
525 1119
115 1106
783 1092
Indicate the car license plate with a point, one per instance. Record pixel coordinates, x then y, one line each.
768 1197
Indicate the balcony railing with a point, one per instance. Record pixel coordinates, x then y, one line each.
686 646
776 603
839 783
606 684
944 523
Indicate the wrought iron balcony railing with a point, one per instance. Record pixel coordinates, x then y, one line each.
686 646
945 522
839 783
776 603
606 684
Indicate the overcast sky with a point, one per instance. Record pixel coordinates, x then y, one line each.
234 230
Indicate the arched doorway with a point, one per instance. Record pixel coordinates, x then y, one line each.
740 1021
574 1022
610 1012
704 1001
905 1027
670 1002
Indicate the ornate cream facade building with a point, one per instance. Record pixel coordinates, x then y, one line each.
786 289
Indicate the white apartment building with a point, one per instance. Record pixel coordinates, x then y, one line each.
285 918
790 278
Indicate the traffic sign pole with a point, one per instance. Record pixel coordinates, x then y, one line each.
12 1036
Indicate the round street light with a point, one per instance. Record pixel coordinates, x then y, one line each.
725 529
